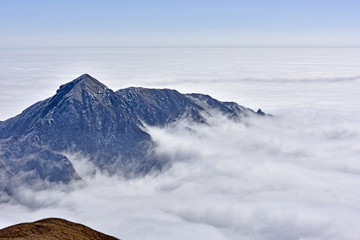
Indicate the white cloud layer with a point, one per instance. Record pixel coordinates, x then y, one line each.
294 176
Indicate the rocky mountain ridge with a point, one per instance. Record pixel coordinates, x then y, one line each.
84 116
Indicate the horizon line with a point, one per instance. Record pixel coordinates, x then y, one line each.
240 46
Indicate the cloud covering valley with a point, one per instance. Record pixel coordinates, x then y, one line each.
293 176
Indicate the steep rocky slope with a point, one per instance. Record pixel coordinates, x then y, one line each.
84 116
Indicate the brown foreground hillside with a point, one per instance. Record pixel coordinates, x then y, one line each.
52 229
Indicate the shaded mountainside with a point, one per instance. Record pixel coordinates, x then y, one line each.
84 116
52 229
159 106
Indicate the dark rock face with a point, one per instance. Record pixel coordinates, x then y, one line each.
85 116
230 109
159 106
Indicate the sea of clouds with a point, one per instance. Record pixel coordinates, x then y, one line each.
292 176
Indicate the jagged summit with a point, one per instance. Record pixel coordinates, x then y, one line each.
83 84
86 117
84 79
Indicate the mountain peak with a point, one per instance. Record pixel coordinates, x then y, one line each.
82 88
85 75
84 81
86 78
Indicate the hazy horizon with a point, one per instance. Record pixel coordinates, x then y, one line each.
42 71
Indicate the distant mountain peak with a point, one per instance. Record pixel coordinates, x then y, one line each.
87 79
84 89
86 75
85 82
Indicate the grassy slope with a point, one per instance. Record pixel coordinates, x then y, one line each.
52 229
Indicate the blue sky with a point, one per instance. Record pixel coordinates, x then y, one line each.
179 23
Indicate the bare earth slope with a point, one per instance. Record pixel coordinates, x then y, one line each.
52 229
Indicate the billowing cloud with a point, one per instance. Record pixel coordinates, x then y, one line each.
293 176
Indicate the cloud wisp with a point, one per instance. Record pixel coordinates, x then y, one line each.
294 176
